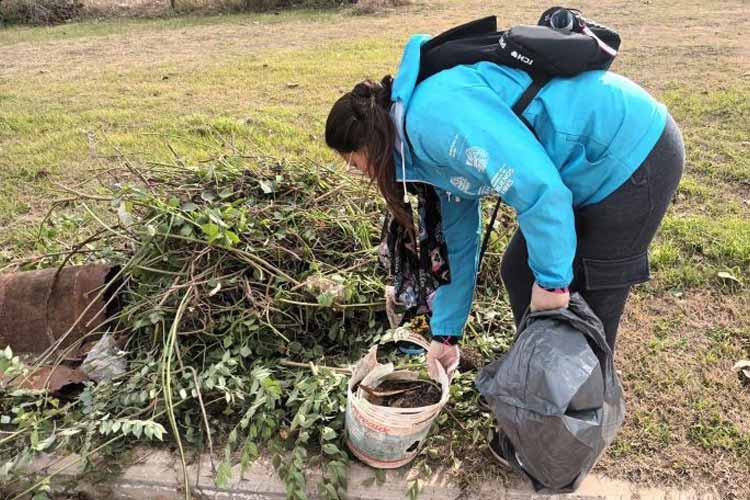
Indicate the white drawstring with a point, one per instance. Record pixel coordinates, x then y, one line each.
403 171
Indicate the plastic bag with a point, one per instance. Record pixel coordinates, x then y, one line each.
556 396
104 361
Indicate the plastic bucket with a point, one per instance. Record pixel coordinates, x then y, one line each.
381 436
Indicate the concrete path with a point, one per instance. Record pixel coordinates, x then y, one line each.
156 475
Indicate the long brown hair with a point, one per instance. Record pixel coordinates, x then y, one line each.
360 120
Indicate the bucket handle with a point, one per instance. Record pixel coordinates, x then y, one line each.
402 334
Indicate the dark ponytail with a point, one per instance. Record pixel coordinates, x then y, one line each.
360 119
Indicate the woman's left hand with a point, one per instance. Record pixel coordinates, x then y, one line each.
542 300
444 354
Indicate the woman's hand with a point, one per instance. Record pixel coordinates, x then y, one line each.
445 354
542 300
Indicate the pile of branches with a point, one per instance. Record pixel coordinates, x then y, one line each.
233 274
247 287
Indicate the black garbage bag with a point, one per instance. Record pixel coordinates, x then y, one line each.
556 396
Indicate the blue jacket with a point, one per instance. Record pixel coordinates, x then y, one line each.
594 130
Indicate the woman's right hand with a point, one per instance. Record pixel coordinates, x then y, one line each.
445 354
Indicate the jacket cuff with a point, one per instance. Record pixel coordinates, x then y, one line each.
554 284
455 330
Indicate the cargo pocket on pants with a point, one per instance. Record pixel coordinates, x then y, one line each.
600 274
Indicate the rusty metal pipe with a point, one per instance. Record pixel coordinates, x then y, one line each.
37 308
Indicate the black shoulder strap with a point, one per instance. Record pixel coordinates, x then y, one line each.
528 95
518 108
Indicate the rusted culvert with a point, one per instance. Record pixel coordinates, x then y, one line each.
39 307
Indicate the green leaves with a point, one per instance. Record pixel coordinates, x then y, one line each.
327 433
136 428
219 230
215 234
326 299
329 491
189 207
186 230
44 444
211 231
415 488
330 449
11 365
380 476
231 237
223 474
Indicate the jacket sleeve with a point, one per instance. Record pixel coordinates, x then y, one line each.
477 134
462 230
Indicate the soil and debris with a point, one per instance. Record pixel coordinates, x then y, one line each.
471 360
404 393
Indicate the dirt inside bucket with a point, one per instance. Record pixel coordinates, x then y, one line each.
404 393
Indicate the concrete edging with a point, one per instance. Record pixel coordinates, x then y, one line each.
156 475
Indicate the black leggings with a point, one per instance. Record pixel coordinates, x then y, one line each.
613 237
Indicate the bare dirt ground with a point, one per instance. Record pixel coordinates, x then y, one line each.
666 386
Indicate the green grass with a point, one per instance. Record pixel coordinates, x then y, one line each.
49 127
713 432
49 130
94 28
693 249
707 231
718 133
